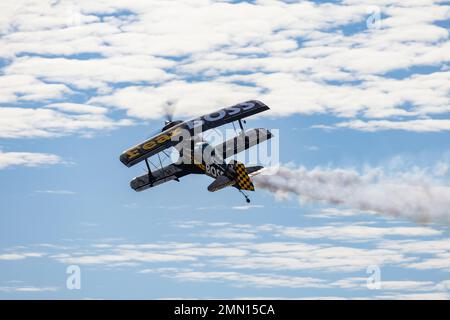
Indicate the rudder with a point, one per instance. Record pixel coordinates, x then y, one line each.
243 181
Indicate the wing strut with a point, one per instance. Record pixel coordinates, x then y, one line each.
160 162
240 125
148 169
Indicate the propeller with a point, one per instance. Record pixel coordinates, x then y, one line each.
169 111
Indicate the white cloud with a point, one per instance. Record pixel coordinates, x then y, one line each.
441 169
354 232
438 261
188 98
376 97
242 255
349 232
416 246
28 159
239 279
20 256
424 125
417 296
386 285
229 234
28 289
246 207
298 57
44 123
400 289
123 256
60 192
336 212
273 263
320 258
77 108
93 73
14 88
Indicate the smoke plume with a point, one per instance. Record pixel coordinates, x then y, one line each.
413 195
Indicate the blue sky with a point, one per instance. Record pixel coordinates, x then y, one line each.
80 82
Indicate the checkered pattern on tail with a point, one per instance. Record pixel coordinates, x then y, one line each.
243 181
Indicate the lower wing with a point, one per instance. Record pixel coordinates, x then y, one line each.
160 176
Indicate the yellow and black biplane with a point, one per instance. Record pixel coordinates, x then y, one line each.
196 155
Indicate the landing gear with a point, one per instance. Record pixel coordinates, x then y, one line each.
245 196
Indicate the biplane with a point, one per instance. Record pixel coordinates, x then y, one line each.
197 156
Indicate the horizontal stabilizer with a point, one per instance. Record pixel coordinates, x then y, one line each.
220 183
253 171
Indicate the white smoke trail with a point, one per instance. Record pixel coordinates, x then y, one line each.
414 195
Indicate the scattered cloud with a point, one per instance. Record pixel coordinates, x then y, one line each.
229 233
280 257
386 285
28 289
242 280
331 212
122 256
440 261
47 122
77 108
92 73
219 53
60 192
416 296
312 148
422 125
81 67
16 88
247 207
355 232
20 256
28 159
273 256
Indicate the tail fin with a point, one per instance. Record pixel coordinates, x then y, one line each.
242 178
253 171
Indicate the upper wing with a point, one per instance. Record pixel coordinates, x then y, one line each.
157 177
242 142
150 147
187 129
227 115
